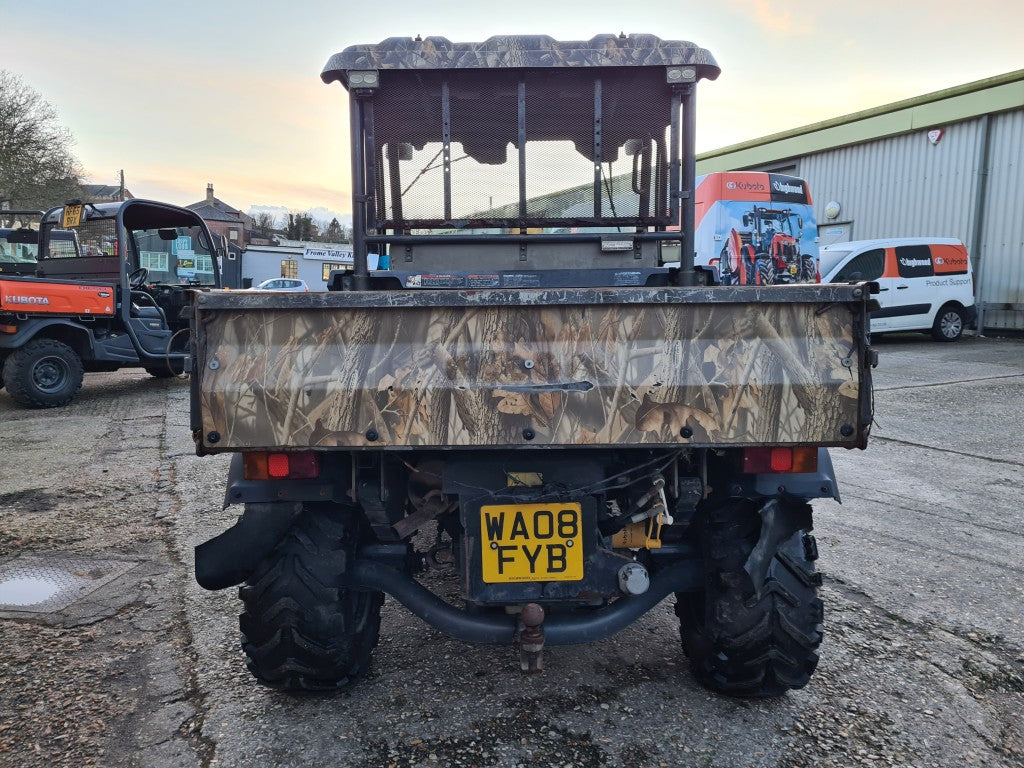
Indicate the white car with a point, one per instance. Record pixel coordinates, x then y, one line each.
282 284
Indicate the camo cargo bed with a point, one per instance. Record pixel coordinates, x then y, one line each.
623 367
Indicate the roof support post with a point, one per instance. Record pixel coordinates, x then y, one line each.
360 271
446 149
683 177
522 148
597 147
372 179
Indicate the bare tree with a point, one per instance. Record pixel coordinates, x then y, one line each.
265 222
37 168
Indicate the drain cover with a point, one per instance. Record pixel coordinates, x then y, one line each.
38 584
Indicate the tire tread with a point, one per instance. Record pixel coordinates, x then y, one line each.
302 629
752 645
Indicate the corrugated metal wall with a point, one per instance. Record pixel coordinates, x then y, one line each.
902 186
1002 248
905 186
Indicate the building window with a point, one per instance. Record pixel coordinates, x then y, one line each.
233 234
154 261
289 268
328 266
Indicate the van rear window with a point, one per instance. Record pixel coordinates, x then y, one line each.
914 261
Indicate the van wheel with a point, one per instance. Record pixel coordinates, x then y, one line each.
45 373
949 323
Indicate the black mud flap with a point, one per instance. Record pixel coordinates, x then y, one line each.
779 521
230 558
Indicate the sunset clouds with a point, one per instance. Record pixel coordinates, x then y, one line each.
229 92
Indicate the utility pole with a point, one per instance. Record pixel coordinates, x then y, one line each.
120 193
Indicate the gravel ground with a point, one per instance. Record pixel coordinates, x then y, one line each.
922 665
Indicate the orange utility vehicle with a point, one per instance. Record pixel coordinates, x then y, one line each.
102 292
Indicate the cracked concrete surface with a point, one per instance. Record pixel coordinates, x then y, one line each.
922 664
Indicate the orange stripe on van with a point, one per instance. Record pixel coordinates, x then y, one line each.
891 268
949 259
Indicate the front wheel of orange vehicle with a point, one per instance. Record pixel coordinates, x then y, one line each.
45 373
169 369
751 642
302 630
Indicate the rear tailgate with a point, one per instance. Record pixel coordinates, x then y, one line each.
723 366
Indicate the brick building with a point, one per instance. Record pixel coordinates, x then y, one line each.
223 219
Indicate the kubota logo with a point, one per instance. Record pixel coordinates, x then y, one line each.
28 300
746 186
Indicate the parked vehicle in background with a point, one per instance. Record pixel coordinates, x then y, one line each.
925 283
19 241
756 228
105 291
282 284
579 428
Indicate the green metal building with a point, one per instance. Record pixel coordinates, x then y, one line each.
946 164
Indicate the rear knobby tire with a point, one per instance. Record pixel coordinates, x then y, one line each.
738 644
302 630
45 373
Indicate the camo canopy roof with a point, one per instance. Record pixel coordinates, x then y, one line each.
520 51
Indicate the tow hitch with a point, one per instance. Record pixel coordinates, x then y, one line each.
531 639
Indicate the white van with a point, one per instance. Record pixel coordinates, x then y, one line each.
926 282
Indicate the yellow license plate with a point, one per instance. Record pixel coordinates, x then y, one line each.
72 216
531 542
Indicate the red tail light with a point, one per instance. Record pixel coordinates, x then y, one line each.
780 459
298 465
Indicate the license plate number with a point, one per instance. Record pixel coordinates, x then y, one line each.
72 216
531 542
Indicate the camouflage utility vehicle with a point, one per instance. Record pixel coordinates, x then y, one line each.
578 430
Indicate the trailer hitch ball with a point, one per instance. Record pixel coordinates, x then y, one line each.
633 579
531 639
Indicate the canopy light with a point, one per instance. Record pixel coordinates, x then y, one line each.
367 79
681 74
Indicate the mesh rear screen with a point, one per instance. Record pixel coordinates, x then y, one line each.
494 183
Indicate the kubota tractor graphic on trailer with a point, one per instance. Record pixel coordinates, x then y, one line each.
756 228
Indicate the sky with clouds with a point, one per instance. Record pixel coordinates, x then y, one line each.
185 93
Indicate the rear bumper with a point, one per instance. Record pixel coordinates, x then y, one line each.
971 316
496 628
